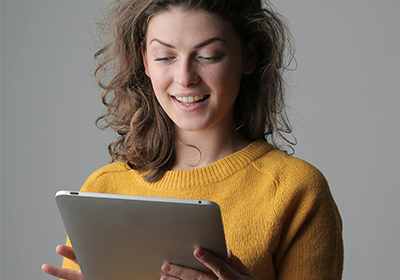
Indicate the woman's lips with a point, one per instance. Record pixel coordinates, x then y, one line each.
190 100
189 103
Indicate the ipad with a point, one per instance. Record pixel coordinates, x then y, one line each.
124 237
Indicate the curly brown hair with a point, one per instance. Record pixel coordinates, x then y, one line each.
146 134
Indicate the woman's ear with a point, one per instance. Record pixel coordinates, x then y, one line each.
144 58
250 57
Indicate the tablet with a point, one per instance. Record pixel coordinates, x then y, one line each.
124 237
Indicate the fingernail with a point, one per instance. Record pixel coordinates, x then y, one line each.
166 268
200 254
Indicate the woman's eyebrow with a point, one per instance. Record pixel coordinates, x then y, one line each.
209 41
162 43
198 46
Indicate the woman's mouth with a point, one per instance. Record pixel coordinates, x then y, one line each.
190 100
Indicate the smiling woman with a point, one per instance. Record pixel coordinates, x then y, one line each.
209 65
260 38
195 94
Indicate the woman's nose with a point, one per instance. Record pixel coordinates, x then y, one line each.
186 73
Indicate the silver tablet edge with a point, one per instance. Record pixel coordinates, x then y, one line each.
134 197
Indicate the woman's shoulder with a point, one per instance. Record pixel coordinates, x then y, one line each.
290 171
109 169
295 183
277 159
107 176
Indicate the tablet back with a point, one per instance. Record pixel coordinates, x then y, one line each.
129 237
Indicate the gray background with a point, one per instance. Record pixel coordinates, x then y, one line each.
344 99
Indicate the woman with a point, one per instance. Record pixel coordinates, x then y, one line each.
196 94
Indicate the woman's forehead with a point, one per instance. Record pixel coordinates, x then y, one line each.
177 24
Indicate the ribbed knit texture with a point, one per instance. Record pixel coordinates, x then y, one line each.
279 216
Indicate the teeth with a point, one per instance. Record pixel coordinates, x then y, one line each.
190 99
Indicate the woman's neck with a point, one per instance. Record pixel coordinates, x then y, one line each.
194 149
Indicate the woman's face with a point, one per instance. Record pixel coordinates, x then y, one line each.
195 61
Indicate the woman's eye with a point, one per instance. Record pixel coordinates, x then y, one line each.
211 58
163 59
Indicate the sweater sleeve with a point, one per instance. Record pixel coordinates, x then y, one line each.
310 245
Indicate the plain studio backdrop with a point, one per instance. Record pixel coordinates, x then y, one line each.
345 111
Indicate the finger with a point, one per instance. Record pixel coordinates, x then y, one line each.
66 252
63 273
237 264
178 272
221 269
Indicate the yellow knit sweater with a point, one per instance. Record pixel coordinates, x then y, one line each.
279 216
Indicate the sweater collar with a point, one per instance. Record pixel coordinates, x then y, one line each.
217 171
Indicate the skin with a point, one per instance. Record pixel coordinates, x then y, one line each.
64 273
184 59
234 270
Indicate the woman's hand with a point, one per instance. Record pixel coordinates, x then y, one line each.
64 273
235 270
